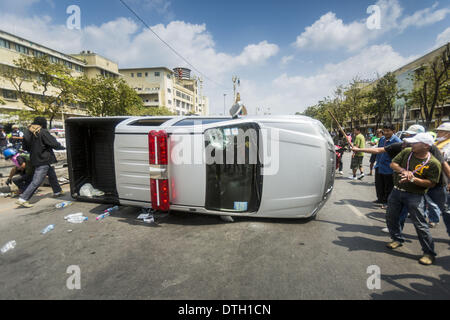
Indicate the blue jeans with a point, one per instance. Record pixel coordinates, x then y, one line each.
436 198
415 204
38 177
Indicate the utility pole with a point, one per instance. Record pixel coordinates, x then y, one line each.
224 95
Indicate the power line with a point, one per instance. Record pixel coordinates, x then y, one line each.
168 45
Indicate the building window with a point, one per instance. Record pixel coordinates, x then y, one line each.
170 102
21 49
54 59
4 43
9 94
168 76
146 74
169 91
139 75
157 74
132 75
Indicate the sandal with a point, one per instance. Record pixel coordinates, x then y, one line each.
394 245
426 260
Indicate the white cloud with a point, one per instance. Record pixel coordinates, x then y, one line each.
425 17
289 94
331 33
443 37
286 59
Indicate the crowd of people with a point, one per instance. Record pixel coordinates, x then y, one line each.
411 180
33 156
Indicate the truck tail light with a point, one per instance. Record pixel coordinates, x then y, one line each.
159 180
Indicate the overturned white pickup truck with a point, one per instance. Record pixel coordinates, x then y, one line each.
273 166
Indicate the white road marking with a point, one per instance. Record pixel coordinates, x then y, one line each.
354 209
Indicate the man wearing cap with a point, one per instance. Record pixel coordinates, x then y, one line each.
415 171
443 144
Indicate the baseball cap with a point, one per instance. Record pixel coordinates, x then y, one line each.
415 129
444 127
421 137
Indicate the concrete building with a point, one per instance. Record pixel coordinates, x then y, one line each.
412 114
13 47
173 89
157 86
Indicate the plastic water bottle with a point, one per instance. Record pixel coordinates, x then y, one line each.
9 246
77 219
115 208
48 229
63 204
103 216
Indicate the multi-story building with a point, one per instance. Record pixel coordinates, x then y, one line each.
162 87
403 113
13 47
157 86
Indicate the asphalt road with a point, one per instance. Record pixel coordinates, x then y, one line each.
189 256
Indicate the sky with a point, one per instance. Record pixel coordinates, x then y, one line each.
287 54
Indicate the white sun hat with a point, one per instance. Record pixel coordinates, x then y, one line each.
421 137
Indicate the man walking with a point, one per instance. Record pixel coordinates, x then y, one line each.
416 170
40 143
357 157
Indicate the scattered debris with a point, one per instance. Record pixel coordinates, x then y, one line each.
227 218
63 181
9 246
102 216
76 218
48 229
69 231
87 190
146 216
64 204
109 210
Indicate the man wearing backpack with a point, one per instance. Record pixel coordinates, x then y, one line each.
40 143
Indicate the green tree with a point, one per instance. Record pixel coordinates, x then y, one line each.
107 96
52 84
151 111
431 86
383 97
